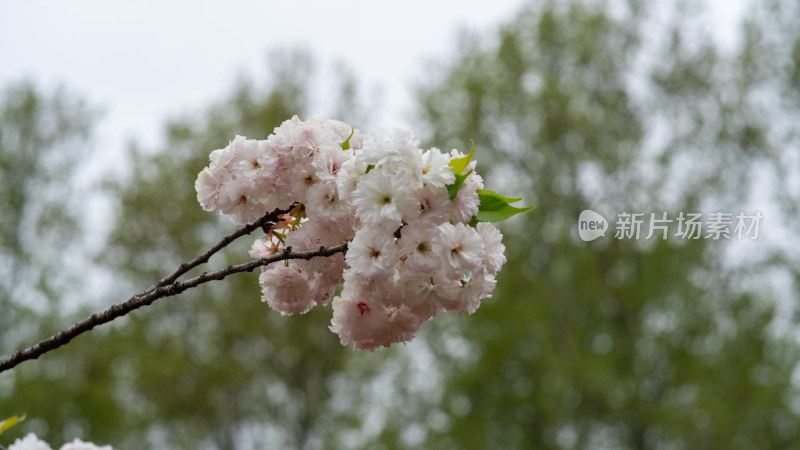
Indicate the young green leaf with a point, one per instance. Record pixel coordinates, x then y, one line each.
452 189
495 194
10 422
346 143
495 207
460 164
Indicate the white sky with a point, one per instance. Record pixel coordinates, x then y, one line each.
146 60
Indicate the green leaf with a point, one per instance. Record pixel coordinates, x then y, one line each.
346 143
495 207
460 164
452 189
501 214
10 422
495 194
369 167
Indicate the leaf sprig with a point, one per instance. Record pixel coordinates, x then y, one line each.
493 206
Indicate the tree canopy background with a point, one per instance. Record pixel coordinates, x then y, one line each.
617 343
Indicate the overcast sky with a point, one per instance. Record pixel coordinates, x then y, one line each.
143 61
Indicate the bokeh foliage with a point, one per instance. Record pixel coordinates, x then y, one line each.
616 344
42 139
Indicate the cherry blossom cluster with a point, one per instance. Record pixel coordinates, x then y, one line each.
416 248
32 442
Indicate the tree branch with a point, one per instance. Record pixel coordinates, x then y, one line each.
269 218
167 287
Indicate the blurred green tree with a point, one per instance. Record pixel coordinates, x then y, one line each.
614 343
45 140
43 136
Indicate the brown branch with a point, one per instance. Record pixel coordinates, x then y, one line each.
154 293
264 222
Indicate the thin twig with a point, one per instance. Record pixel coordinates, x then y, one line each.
271 217
147 297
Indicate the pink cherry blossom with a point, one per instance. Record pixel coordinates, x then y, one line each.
411 253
